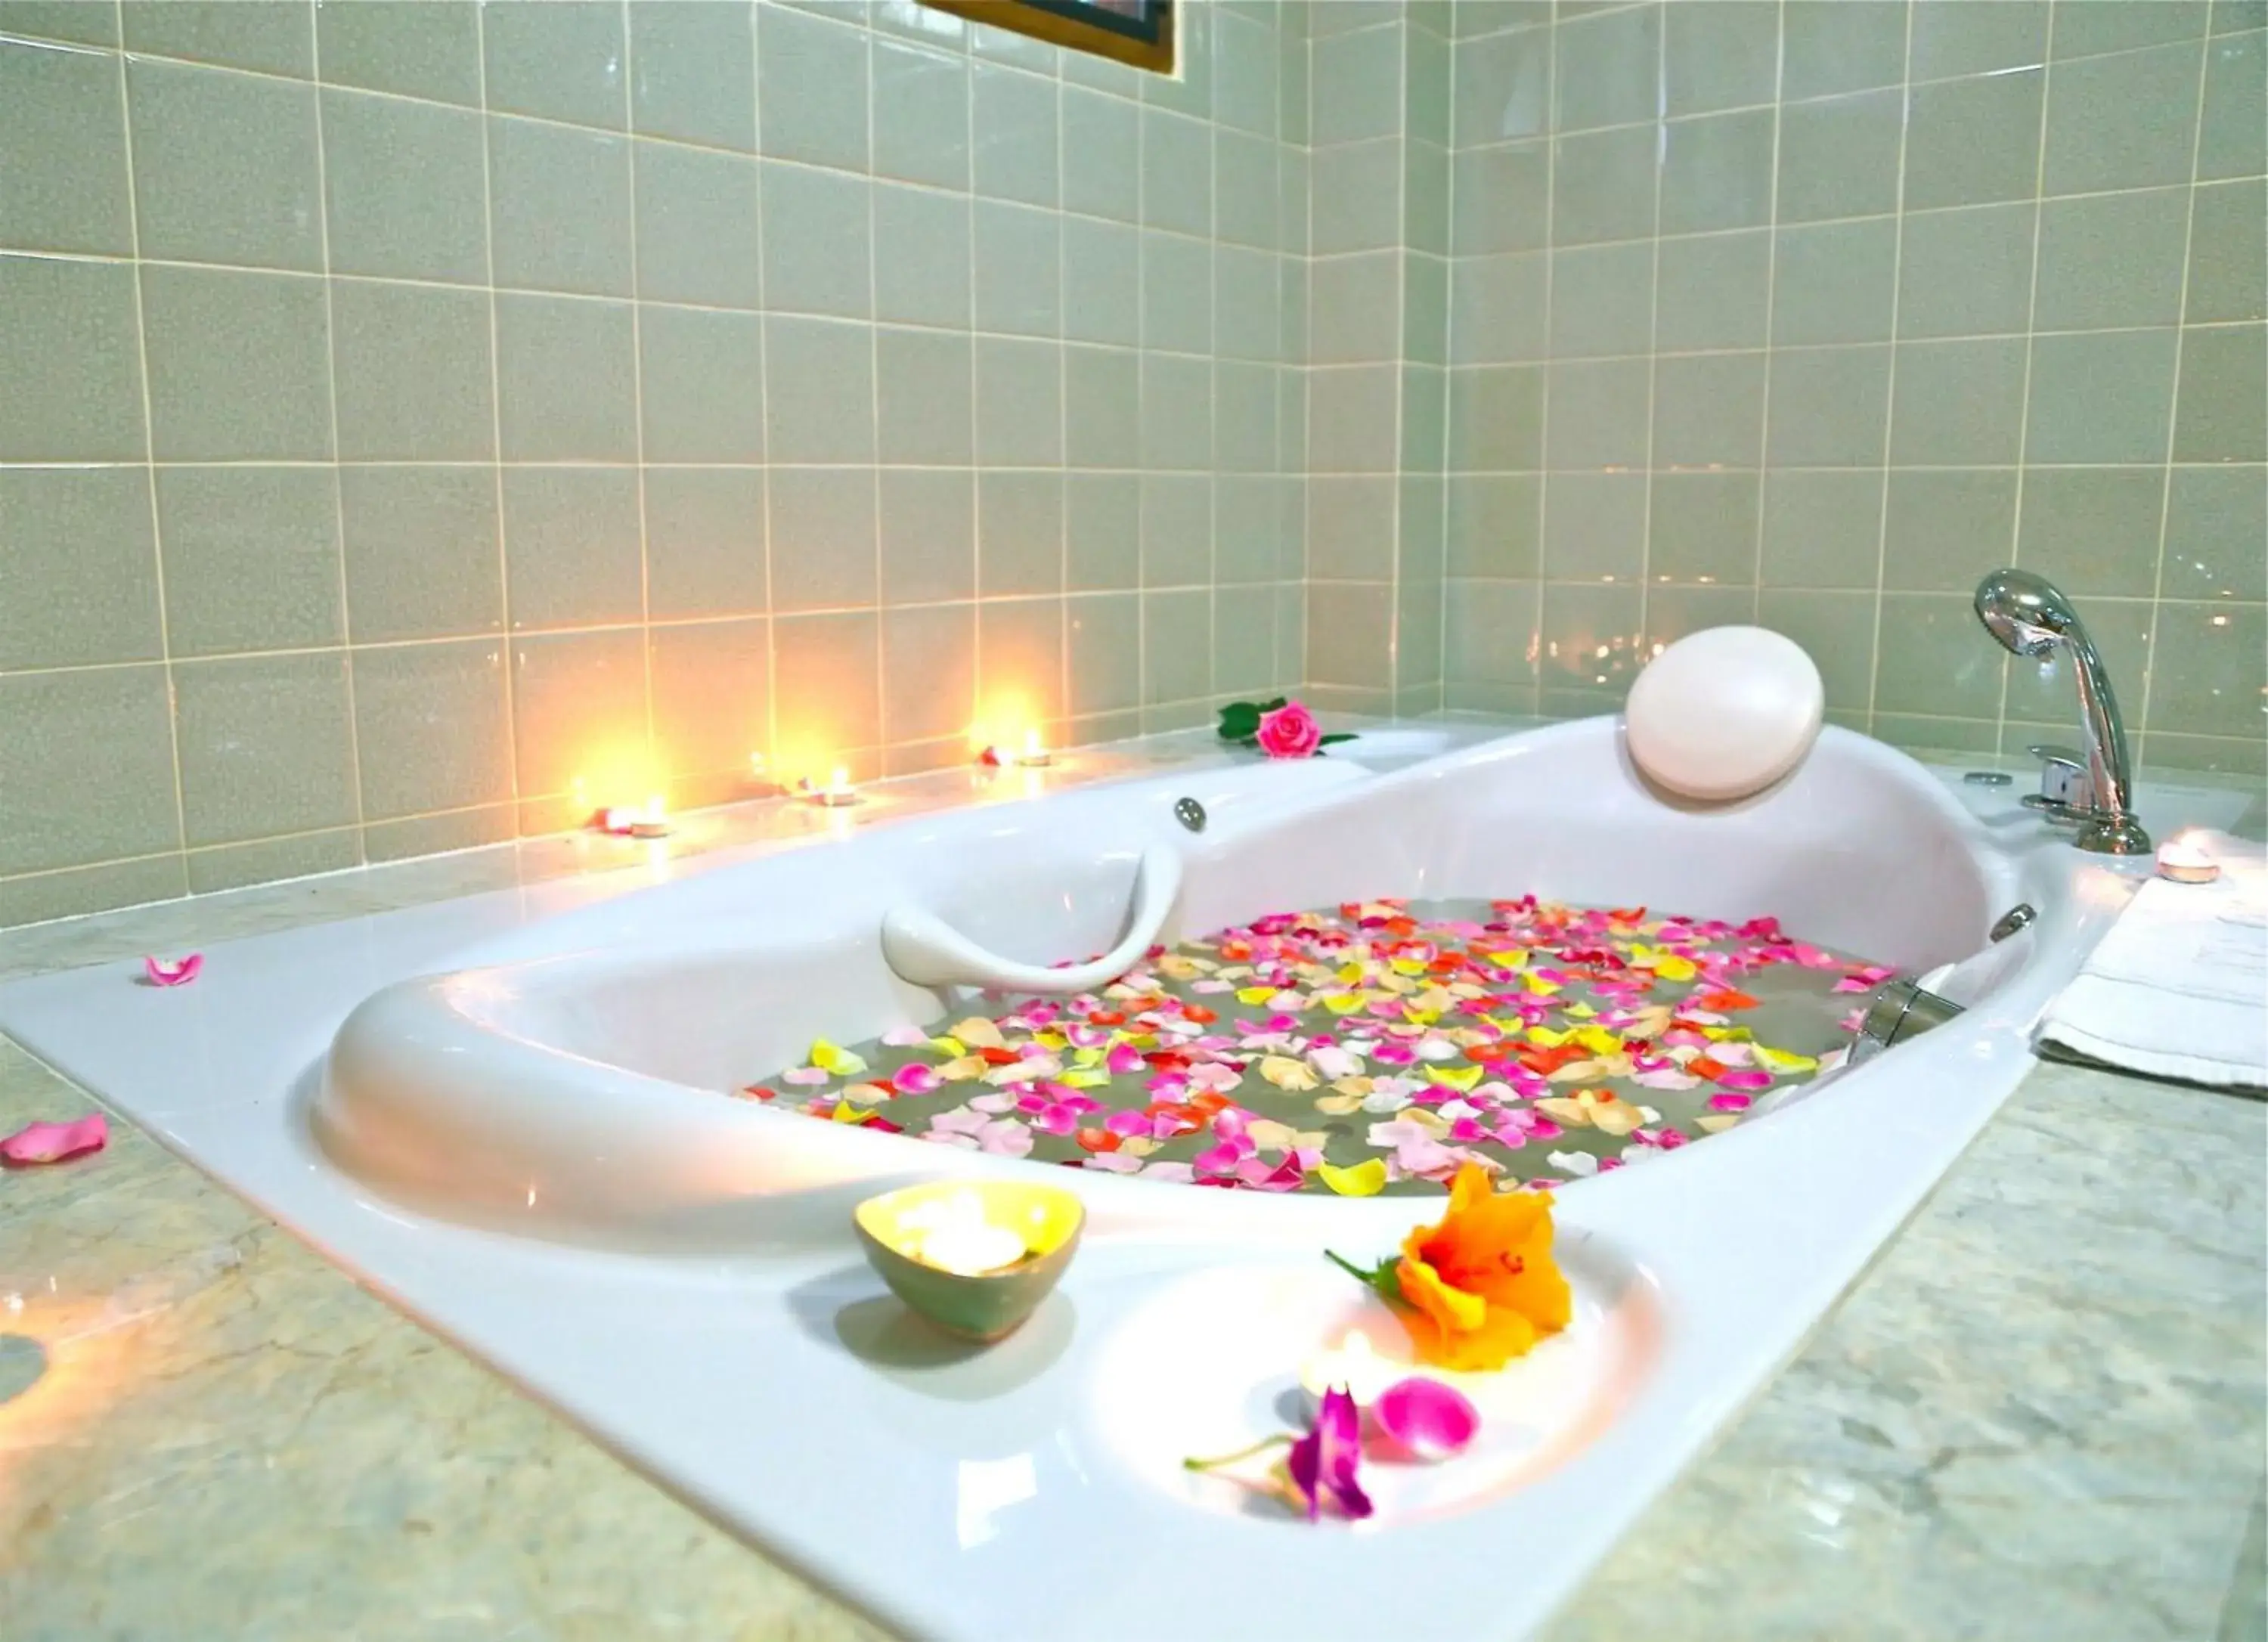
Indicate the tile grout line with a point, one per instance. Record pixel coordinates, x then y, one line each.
1642 647
150 454
1772 278
1545 649
1891 386
2031 349
2158 619
773 773
331 378
507 647
655 777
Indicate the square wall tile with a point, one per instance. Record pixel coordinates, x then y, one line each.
404 188
823 551
70 374
225 166
1019 658
1102 408
921 256
1723 55
921 117
928 528
1499 312
1836 630
819 390
579 714
266 746
697 235
2216 518
928 672
692 71
1102 634
424 559
811 88
1608 68
272 36
1177 412
817 256
1019 402
1842 45
1934 660
564 60
1101 281
2207 670
1176 530
91 25
1830 406
1177 174
1966 272
1835 282
2228 254
705 541
1709 411
1248 186
924 380
701 385
1589 641
86 757
1946 528
1014 121
1701 528
1490 636
2094 531
63 152
1599 414
239 366
711 700
81 583
2111 260
566 377
2233 127
1176 293
1019 255
1954 37
1351 420
1959 403
1595 527
2094 30
2124 122
1603 185
252 558
559 208
1357 192
1356 308
1712 291
2100 397
572 547
428 48
828 702
1503 88
1358 87
2223 413
1839 157
1494 526
1019 532
1501 198
1822 529
411 365
1102 531
430 731
1969 142
1601 300
1496 419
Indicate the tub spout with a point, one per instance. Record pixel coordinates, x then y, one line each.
2031 617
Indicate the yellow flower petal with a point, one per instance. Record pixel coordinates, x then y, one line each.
961 1068
1344 1003
1716 1122
979 1034
1462 1078
1083 1077
1286 1073
1255 994
1366 1179
1784 1060
1569 1111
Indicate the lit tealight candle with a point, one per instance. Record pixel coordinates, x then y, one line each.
837 792
650 819
1355 1366
1034 754
953 1236
2185 861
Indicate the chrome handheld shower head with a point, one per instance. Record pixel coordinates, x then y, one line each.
2026 613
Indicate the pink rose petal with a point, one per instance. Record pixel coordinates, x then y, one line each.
173 971
1425 1421
52 1142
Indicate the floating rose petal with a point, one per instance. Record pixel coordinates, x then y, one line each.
1425 1421
52 1142
905 1037
173 971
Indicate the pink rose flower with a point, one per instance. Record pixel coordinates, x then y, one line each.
1290 732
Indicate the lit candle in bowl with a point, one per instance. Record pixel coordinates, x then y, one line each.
1034 754
837 792
975 1257
650 819
2185 860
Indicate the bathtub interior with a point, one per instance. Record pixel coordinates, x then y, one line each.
1855 852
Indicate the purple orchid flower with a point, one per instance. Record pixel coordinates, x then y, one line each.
1323 1462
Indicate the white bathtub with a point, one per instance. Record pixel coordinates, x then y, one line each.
503 1112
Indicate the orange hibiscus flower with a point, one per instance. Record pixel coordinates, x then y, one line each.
1480 1287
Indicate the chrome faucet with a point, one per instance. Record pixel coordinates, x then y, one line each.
2030 617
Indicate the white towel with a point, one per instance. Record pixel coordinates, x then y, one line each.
2179 987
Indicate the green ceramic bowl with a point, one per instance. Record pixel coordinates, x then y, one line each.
987 1305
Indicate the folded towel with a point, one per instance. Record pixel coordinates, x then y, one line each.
2179 987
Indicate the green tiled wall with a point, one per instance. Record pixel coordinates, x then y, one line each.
1810 313
406 407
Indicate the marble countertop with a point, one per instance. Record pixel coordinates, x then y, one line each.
2040 1413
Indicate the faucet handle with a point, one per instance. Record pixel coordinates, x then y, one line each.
2064 778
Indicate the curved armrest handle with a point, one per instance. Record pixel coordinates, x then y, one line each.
923 948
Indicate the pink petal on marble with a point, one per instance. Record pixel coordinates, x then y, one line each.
52 1142
173 971
1422 1420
